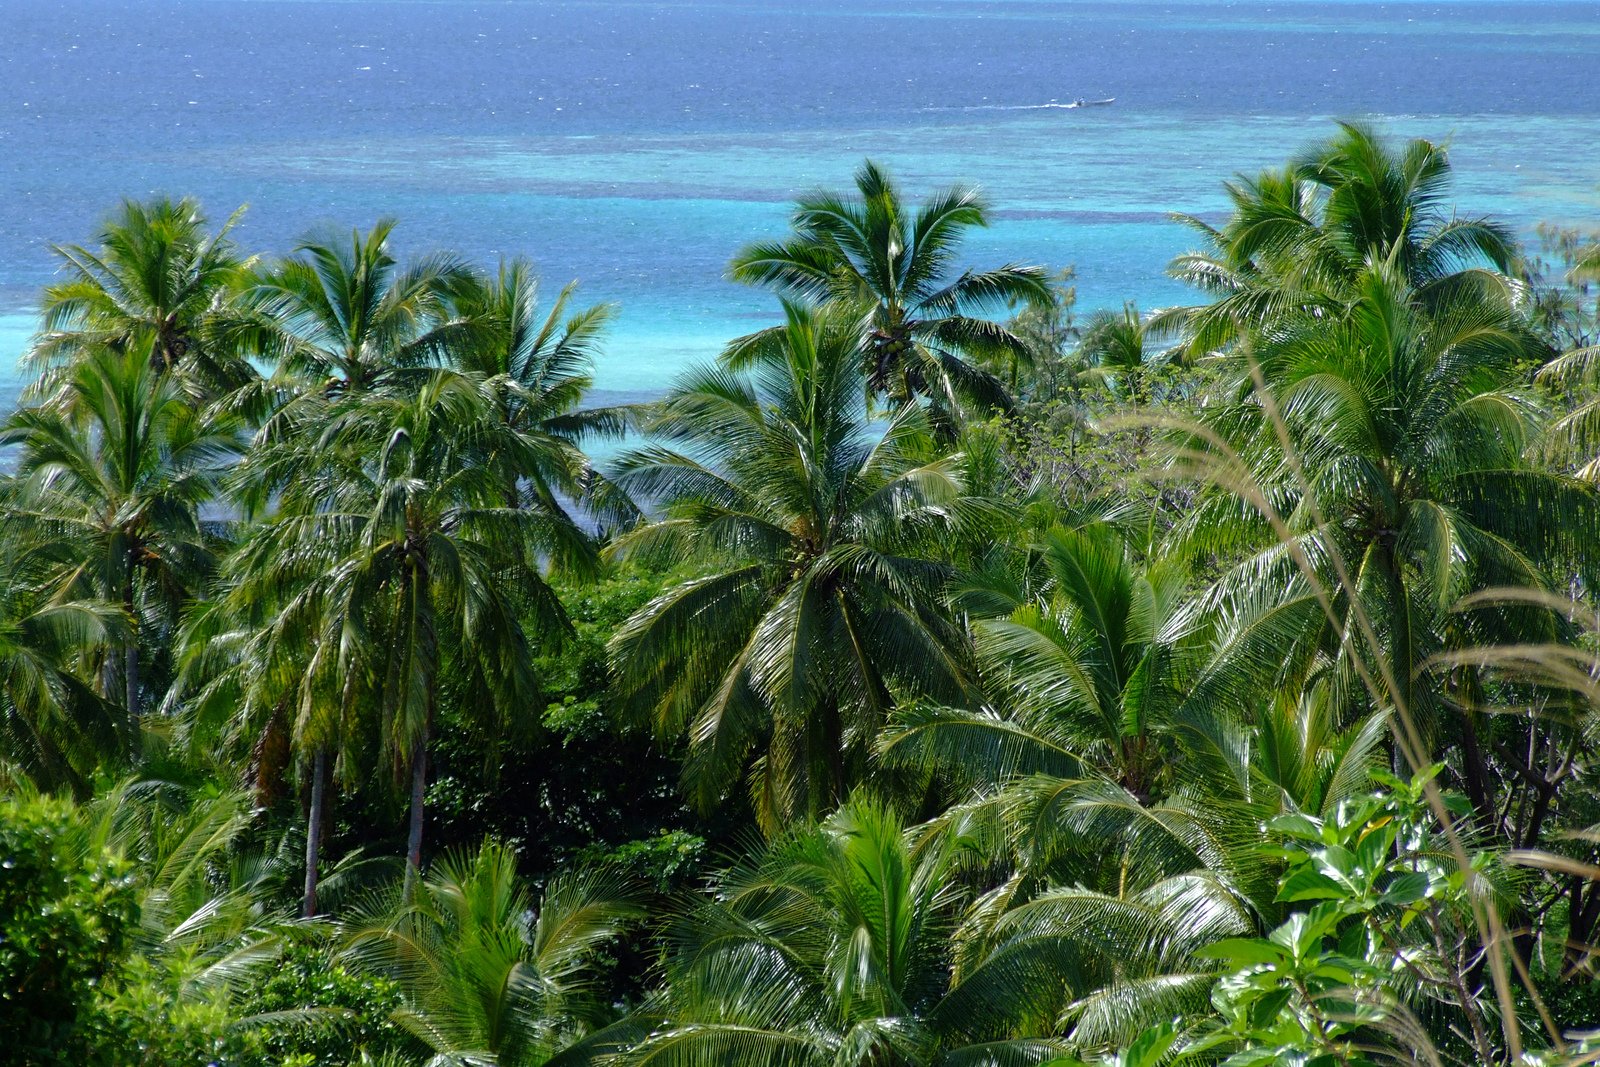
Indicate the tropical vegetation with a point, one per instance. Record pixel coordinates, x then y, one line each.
936 677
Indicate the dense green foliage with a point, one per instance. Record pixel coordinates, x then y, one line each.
67 918
935 678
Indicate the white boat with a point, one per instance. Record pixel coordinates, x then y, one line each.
1080 102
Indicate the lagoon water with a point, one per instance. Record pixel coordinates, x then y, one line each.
633 146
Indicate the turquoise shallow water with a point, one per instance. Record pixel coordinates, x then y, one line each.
635 146
662 214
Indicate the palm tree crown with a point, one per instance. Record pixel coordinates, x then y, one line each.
876 252
159 283
822 587
344 314
1119 346
486 973
831 946
1391 443
54 730
119 465
1302 237
396 542
539 365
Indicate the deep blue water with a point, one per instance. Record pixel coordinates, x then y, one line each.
634 146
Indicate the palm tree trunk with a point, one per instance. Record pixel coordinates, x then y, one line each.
1474 773
130 651
1585 916
108 674
420 594
832 745
130 676
319 782
1402 661
419 782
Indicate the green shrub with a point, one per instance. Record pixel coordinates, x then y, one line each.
66 917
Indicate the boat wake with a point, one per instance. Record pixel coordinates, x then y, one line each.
1068 106
1002 107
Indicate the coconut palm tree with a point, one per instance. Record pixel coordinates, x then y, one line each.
829 946
54 729
859 941
1576 434
118 466
1104 899
1098 916
1300 238
1100 666
1383 456
528 372
1091 667
540 365
159 283
485 973
874 251
819 589
1119 347
245 694
395 546
208 922
342 315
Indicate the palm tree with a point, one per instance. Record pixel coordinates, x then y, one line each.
1389 205
819 590
206 912
342 315
1383 456
159 283
1106 891
246 695
395 546
859 941
118 467
1092 667
1588 264
1100 909
830 946
1300 239
875 252
1117 347
485 974
1374 426
1100 666
1576 435
540 365
54 729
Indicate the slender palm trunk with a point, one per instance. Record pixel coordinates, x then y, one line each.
109 669
130 651
419 783
420 594
1402 662
319 783
130 676
829 742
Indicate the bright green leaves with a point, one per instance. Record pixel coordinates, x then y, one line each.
1376 902
1331 978
485 971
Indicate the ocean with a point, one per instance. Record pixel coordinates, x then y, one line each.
635 146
